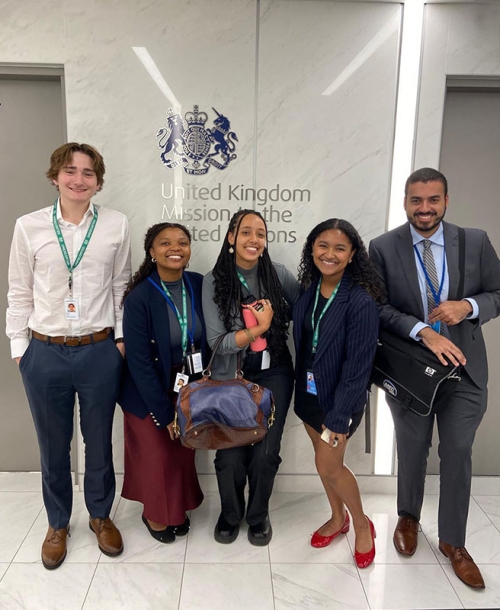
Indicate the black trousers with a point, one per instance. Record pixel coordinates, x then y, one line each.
258 463
52 375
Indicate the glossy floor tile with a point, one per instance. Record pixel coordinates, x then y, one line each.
197 573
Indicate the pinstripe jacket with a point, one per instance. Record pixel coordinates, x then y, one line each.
346 348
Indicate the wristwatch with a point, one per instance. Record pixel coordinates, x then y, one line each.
120 340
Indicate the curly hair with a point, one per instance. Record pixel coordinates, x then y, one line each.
228 294
148 266
361 270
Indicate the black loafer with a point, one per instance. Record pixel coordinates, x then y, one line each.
164 536
225 533
260 534
180 530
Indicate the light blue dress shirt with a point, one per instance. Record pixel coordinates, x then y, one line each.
438 251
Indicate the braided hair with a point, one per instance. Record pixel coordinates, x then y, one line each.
228 294
148 266
361 269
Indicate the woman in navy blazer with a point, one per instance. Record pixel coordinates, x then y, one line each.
335 332
161 299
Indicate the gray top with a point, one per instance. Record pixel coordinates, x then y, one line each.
225 361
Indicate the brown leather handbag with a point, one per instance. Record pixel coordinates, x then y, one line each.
222 414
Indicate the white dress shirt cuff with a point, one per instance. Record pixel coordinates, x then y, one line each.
18 347
475 309
118 329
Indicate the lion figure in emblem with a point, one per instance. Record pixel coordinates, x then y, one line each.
171 139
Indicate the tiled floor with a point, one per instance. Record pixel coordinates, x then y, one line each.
197 573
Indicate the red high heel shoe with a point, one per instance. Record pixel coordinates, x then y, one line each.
319 542
363 560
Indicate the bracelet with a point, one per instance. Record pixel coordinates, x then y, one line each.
249 335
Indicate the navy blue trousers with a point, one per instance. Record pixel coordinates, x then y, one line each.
52 376
258 463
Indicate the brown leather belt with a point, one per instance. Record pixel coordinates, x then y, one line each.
70 341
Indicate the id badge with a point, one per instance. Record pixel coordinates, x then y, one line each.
180 381
311 384
266 360
194 363
71 309
437 327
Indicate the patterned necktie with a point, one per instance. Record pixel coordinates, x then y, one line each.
430 266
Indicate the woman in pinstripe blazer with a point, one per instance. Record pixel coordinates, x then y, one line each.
335 332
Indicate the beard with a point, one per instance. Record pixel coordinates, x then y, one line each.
428 225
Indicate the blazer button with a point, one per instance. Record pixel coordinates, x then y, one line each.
152 341
156 359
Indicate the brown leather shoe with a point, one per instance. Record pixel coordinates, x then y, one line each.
463 565
405 535
109 538
54 548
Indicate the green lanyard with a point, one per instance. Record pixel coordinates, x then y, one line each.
64 249
328 303
183 319
243 281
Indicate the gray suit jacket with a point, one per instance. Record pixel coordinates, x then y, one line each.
393 256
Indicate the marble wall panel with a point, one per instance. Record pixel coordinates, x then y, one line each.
32 31
205 53
336 147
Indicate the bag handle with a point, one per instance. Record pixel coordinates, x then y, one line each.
208 371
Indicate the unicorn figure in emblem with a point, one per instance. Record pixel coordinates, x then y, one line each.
223 138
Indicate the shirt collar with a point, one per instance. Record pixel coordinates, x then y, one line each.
437 238
90 210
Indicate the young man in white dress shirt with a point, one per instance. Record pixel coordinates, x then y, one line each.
69 266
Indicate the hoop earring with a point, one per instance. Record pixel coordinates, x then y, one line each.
153 259
186 266
231 250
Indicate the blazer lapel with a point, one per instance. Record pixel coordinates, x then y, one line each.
333 317
451 248
159 314
406 254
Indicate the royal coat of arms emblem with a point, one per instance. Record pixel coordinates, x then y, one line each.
187 143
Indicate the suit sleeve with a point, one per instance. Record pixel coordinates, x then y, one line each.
391 318
140 360
361 342
488 300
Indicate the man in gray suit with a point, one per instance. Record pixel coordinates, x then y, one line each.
418 263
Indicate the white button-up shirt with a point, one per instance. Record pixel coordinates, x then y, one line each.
38 276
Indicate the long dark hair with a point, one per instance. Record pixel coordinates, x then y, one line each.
148 266
361 269
227 287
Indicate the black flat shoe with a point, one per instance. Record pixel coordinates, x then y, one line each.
165 535
260 534
180 530
225 533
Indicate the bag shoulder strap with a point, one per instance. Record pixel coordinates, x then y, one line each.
461 262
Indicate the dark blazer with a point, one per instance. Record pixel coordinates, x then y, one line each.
346 348
393 256
146 330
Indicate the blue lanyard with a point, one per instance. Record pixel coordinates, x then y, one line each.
436 295
173 307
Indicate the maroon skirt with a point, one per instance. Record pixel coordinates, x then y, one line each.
159 472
